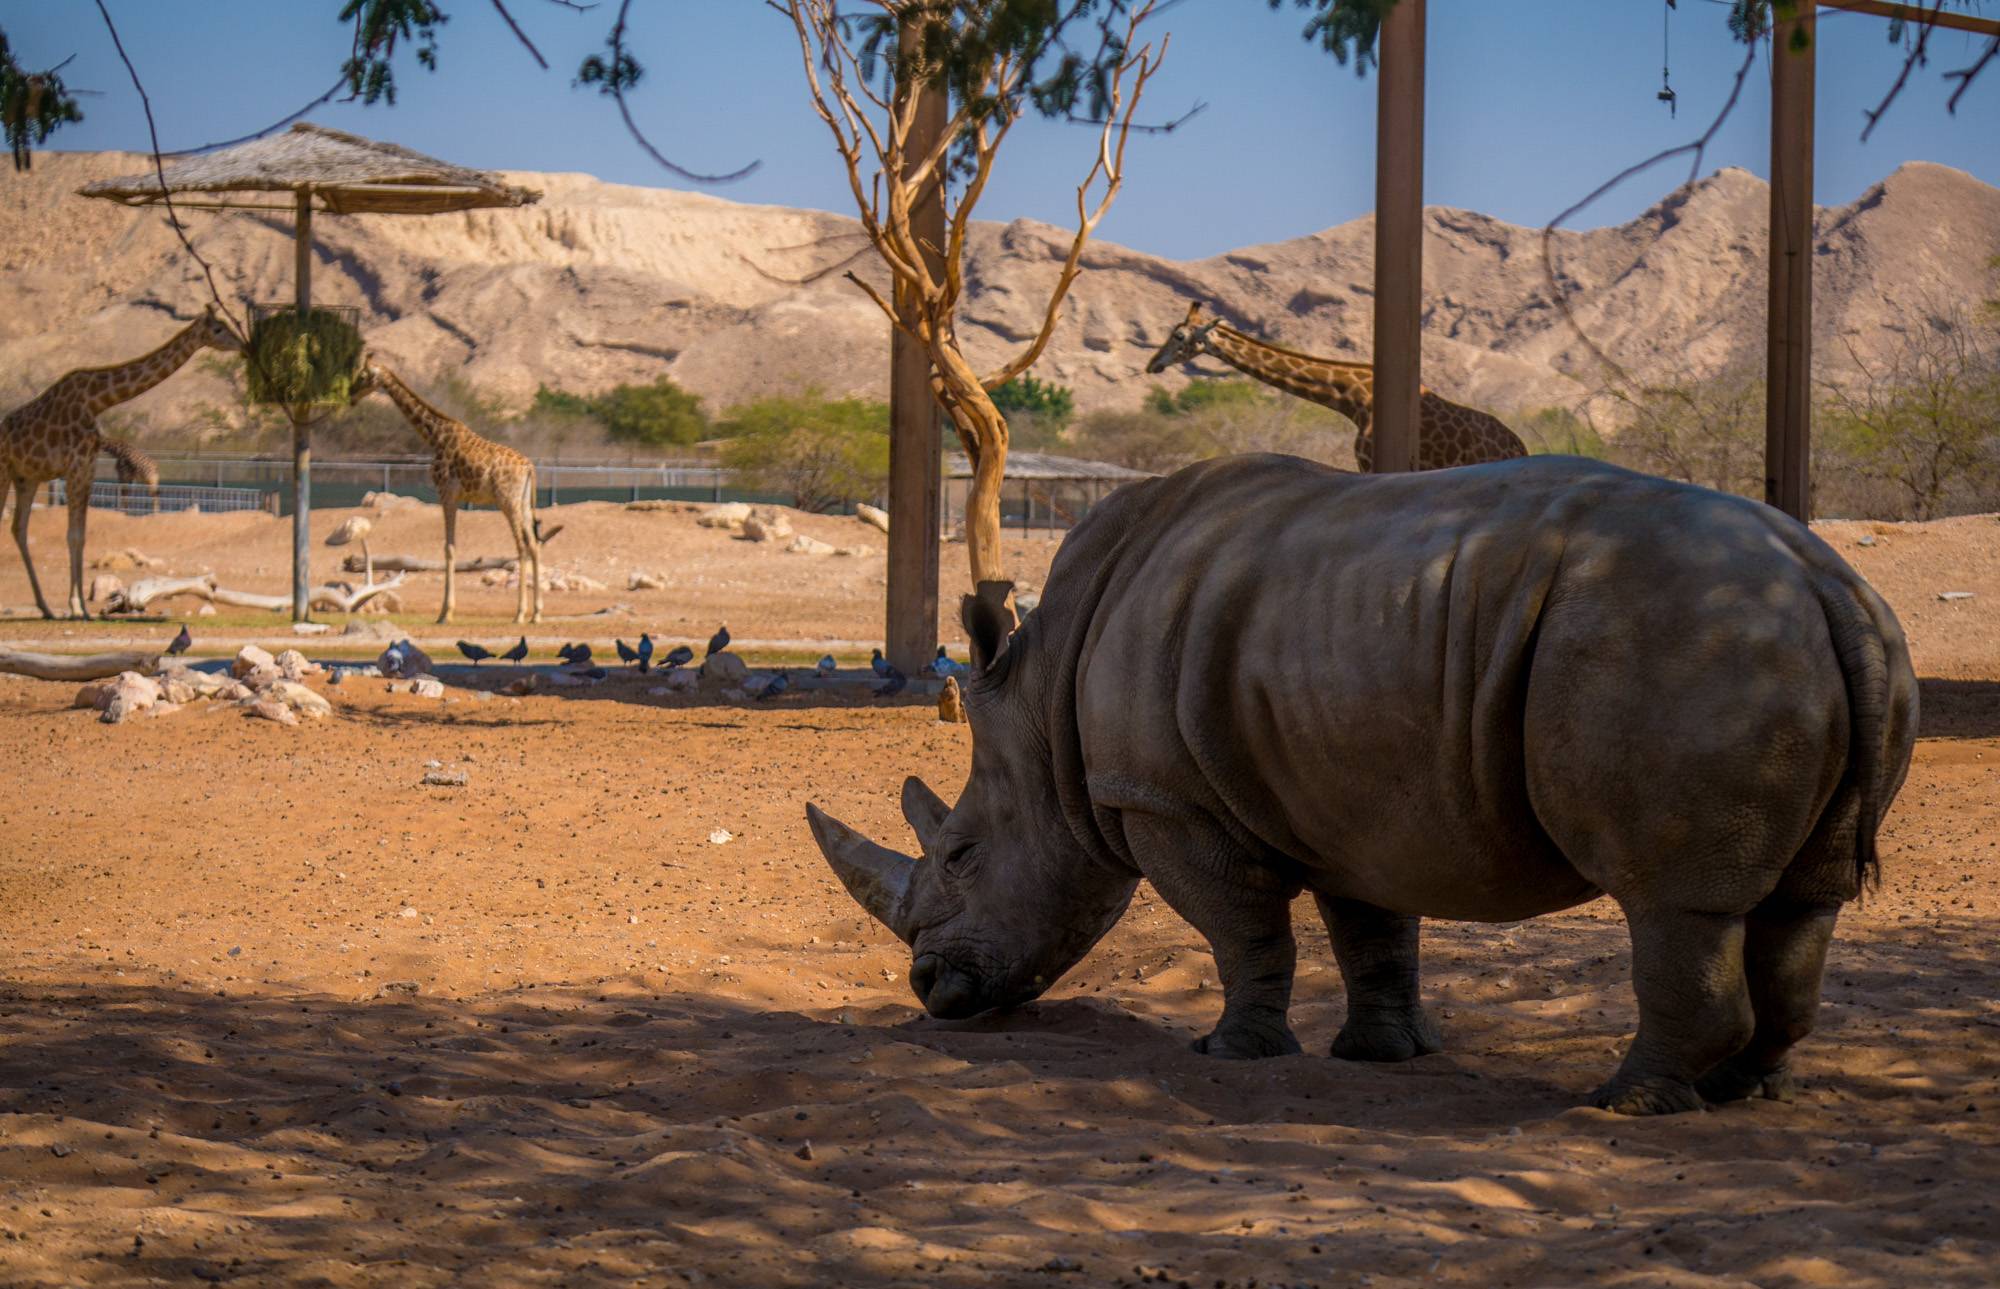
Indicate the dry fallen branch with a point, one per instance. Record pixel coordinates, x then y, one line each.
417 564
50 666
136 597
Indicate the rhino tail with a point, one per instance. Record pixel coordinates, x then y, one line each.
1864 663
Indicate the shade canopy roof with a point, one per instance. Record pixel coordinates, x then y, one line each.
345 173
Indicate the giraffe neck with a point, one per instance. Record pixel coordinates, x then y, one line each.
1347 388
438 429
106 387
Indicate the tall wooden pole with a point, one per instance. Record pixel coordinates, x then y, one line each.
1788 379
301 426
915 469
1399 234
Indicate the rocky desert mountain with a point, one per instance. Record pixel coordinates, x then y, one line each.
602 283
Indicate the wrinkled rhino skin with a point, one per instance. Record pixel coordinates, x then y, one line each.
1479 694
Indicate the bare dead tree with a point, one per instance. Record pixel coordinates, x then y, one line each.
873 133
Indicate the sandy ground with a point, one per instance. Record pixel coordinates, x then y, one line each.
275 1013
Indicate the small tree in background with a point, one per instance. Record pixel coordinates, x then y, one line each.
1201 395
1560 431
1709 432
33 105
823 453
1038 413
658 415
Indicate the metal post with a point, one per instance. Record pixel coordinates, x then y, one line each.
910 636
301 430
1399 234
1788 388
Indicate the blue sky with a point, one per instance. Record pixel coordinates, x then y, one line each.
1532 103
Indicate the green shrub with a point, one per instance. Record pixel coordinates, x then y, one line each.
299 362
1201 395
823 453
661 414
1051 405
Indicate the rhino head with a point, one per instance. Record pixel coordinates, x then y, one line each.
1004 898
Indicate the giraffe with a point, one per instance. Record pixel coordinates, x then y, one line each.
1448 434
55 436
134 467
469 470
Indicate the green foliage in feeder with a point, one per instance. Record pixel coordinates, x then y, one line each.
293 361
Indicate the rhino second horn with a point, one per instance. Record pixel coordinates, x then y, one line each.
925 810
877 877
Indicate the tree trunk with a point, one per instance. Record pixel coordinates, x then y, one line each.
50 666
983 432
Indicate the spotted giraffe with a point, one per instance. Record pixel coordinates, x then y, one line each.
1448 434
134 467
55 436
469 470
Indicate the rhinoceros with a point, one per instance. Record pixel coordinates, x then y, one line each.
1479 694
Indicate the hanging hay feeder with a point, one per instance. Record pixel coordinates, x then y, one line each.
301 361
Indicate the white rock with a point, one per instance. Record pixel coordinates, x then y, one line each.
721 837
205 611
804 545
727 515
767 526
271 711
104 586
427 687
872 516
311 628
130 694
640 580
295 666
1954 595
248 659
299 698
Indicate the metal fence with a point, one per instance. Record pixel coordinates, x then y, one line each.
131 499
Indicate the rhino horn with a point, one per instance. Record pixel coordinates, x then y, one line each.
877 877
925 811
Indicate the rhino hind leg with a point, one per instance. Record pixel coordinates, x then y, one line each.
1784 955
1695 1009
1211 883
1377 952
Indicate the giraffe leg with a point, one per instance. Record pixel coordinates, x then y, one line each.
534 545
24 499
523 565
450 561
78 487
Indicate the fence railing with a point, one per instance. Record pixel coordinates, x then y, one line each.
134 500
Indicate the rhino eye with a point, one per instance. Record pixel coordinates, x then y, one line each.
962 858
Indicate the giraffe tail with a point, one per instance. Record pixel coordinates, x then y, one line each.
543 534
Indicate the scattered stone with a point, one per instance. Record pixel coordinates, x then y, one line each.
387 501
767 526
495 577
872 516
1058 1266
294 665
724 668
654 503
176 687
130 694
640 580
427 687
104 586
727 515
271 711
721 837
248 659
805 1152
205 611
262 677
951 704
441 779
561 581
94 695
1949 596
1866 539
804 545
682 682
857 551
299 698
163 708
311 628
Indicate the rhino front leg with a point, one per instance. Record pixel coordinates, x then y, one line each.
1377 952
1694 1009
1245 915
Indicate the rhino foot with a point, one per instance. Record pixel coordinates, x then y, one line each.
1395 1035
1734 1081
1643 1095
1247 1042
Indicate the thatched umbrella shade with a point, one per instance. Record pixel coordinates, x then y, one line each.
342 174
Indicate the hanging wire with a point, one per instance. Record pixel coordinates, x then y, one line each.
1666 94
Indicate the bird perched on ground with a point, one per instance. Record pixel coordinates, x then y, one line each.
180 643
576 655
517 653
881 665
827 666
678 656
477 653
719 641
895 681
645 653
776 685
591 673
945 665
626 653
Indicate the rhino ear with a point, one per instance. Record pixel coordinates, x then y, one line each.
925 811
988 620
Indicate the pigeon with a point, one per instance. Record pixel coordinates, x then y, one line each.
678 656
881 665
576 655
719 641
896 681
626 653
948 667
181 643
827 666
517 653
776 685
645 652
474 652
591 673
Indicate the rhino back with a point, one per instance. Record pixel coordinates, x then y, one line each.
1339 667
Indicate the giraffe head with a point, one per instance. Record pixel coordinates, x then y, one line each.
217 333
1187 342
367 379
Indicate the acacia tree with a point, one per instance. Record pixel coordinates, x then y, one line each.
991 57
